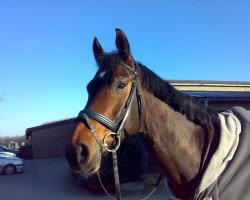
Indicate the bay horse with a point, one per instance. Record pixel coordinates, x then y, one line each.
181 134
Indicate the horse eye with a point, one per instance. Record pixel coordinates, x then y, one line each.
120 86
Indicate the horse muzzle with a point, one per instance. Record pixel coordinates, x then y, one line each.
80 160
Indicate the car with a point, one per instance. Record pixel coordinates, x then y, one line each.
10 164
9 154
5 149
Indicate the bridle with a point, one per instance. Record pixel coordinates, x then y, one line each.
117 126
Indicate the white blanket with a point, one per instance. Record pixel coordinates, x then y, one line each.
229 139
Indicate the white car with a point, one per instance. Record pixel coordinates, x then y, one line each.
7 154
10 164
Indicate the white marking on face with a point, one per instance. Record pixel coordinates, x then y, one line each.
102 74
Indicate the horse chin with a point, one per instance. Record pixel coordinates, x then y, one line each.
91 167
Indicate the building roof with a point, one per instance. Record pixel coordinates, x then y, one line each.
214 90
208 82
215 86
47 125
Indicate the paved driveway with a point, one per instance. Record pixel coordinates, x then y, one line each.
49 179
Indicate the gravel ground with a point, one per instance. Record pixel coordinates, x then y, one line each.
49 179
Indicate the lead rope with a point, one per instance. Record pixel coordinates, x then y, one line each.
100 181
117 181
116 177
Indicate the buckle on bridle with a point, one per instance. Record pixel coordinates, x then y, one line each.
116 137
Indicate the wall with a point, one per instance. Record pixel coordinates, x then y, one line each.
51 141
225 105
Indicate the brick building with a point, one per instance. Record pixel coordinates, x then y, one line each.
50 140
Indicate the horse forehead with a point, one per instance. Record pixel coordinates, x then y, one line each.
118 70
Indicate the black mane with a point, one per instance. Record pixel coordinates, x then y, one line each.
183 103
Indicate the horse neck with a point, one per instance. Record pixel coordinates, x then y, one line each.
175 142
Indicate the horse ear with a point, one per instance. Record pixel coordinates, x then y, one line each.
122 45
97 49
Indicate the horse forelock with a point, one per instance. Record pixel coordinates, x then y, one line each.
105 73
109 60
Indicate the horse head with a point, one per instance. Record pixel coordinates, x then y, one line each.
113 108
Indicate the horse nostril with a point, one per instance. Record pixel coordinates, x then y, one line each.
83 153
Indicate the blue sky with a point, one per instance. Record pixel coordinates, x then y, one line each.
46 55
